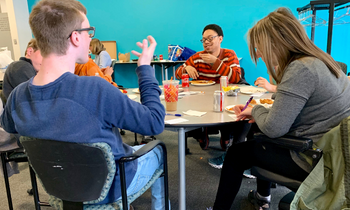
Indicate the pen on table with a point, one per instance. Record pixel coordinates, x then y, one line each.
177 115
246 105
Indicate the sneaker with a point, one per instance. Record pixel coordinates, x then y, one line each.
217 162
259 204
247 173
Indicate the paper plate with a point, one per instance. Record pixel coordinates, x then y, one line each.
202 82
251 90
229 107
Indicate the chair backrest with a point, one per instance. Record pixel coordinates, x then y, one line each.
69 171
243 81
343 66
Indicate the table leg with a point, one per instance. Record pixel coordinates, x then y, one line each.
166 73
182 177
162 72
174 72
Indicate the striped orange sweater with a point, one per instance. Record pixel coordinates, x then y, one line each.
227 64
90 69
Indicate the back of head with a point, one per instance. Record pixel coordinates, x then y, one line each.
53 21
96 46
215 28
279 36
33 44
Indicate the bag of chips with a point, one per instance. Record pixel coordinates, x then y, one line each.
174 52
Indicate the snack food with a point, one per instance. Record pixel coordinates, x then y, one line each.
266 101
253 102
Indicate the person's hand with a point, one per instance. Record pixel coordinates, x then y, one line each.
192 72
263 83
147 52
242 115
208 58
107 71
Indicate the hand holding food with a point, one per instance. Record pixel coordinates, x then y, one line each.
208 58
263 83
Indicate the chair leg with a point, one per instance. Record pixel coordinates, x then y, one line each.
187 150
136 142
166 187
35 188
7 184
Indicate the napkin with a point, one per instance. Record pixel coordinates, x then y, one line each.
194 113
175 121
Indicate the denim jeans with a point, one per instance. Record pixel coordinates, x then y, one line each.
146 167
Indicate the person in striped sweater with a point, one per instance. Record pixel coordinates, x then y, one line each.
210 64
214 61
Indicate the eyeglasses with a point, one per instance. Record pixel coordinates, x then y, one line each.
209 39
91 31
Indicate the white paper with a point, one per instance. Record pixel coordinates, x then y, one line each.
257 94
233 116
194 113
176 121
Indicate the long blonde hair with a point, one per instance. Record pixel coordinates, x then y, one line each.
280 36
96 46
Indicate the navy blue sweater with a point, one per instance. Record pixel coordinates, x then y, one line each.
86 110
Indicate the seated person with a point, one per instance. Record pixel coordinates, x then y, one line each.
102 58
56 104
22 70
91 69
312 98
210 64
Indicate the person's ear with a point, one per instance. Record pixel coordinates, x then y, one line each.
220 39
30 51
75 39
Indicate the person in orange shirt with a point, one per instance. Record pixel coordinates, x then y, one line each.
91 69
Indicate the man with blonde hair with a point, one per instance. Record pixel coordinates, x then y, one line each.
57 104
22 70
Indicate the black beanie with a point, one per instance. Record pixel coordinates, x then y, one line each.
215 28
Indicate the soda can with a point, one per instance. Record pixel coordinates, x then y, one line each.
160 57
223 82
185 80
219 101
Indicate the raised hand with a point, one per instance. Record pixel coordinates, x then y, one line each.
147 51
192 72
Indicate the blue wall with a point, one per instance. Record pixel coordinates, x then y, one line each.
181 22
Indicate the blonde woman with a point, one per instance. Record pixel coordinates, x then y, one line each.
102 58
312 97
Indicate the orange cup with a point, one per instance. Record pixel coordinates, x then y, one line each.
171 94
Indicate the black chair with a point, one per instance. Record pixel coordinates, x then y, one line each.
291 143
18 156
78 175
344 67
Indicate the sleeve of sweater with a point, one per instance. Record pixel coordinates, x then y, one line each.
228 66
181 69
147 117
292 94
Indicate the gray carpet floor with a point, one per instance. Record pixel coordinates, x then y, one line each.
201 180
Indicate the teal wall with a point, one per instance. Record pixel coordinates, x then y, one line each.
181 22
